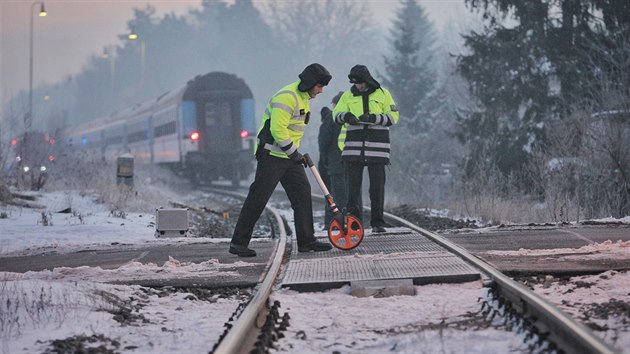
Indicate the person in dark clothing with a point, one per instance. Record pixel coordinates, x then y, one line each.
281 131
322 165
366 112
330 164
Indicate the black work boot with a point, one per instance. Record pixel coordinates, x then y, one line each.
315 246
378 229
241 251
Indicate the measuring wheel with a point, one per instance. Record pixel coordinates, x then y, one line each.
348 240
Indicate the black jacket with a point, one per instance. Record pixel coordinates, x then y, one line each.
329 153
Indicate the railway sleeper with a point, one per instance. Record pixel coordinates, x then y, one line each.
536 335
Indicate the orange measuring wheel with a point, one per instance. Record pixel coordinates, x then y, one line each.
349 239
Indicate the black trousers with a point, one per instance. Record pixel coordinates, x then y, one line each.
269 171
354 178
338 188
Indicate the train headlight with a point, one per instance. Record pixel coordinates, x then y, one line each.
244 134
194 136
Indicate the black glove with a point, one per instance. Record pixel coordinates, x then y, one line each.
351 119
368 118
298 159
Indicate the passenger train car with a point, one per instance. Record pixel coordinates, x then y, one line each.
205 129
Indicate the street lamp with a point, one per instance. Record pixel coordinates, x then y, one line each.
29 117
134 36
108 54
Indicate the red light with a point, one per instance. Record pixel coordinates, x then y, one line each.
51 158
244 134
194 136
51 141
14 142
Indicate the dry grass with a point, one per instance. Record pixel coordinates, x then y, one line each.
152 186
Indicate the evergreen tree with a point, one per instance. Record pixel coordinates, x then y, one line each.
528 68
408 69
551 82
420 140
236 39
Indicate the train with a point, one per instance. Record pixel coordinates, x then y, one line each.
204 129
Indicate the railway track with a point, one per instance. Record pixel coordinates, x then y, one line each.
552 329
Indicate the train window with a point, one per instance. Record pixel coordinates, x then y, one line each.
113 136
113 140
164 117
137 136
164 129
218 113
137 132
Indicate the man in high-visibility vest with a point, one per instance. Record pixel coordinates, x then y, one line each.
279 136
366 111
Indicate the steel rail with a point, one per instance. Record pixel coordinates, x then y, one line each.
235 341
568 334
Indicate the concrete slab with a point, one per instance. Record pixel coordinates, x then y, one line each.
382 288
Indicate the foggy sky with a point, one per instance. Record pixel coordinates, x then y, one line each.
76 29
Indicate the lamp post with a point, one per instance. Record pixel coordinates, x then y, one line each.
28 118
134 36
108 54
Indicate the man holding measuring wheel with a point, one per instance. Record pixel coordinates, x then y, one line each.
279 137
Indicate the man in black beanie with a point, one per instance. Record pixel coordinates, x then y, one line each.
366 112
279 136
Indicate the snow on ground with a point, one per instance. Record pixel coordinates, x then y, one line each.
440 318
89 225
603 250
601 301
123 319
41 307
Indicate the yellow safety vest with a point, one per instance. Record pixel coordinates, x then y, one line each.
284 121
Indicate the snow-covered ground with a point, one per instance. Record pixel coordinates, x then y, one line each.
600 301
39 308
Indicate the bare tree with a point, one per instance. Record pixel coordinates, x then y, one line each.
321 30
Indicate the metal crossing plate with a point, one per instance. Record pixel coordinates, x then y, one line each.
396 254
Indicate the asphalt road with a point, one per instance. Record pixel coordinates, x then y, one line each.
116 257
547 237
